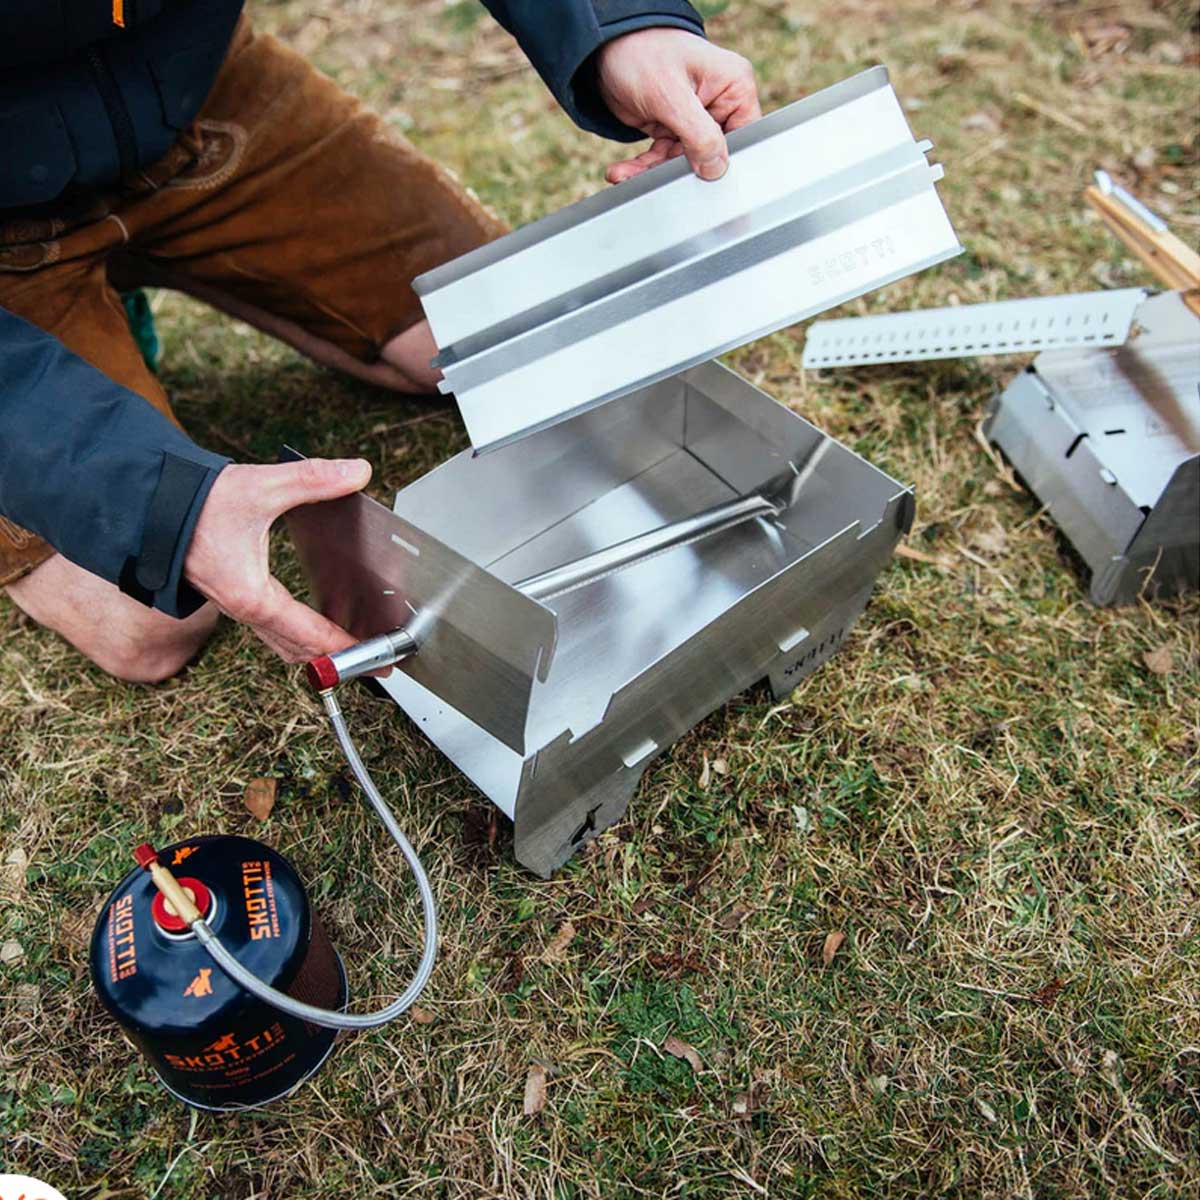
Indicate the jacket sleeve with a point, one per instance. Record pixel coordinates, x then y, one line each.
560 36
98 472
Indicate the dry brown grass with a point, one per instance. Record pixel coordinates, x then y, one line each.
987 790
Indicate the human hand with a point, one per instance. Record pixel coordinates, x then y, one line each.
229 559
680 90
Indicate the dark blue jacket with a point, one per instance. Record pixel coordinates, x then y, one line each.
85 463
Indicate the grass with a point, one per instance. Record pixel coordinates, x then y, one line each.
987 790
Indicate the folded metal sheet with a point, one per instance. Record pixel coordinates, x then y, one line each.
1082 319
481 644
1109 442
824 200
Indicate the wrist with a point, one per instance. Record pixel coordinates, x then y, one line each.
156 577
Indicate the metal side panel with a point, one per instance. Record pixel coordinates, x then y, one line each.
482 644
824 200
1164 557
1004 327
1058 465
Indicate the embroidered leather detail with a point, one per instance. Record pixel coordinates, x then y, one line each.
20 538
222 144
29 257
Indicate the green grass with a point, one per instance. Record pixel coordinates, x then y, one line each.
986 790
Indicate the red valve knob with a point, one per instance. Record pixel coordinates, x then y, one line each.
322 673
145 855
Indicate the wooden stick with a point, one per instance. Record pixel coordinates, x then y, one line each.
1170 260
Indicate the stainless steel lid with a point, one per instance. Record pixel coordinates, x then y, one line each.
824 200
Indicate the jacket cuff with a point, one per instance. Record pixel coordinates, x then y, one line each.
582 94
155 576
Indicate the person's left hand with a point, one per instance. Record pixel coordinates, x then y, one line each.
680 90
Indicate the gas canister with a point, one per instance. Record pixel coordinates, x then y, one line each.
213 1044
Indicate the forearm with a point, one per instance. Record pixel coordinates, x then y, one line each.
94 469
561 38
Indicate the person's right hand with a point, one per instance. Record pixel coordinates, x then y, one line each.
229 559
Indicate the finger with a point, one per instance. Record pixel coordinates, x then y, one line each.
745 110
295 631
288 485
703 141
627 168
731 110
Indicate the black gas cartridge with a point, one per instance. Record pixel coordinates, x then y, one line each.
212 1043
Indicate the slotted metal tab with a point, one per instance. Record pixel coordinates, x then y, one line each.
1085 319
824 200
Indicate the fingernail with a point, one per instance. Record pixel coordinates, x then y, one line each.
713 168
351 466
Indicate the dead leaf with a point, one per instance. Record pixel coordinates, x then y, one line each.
28 998
556 947
674 965
746 1103
734 917
910 552
681 1049
986 1110
833 943
1144 158
535 1090
705 774
1045 996
982 121
12 874
1159 660
992 541
75 928
11 952
260 798
1110 1067
720 766
422 1016
514 973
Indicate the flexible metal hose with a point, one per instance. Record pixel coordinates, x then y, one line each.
323 1016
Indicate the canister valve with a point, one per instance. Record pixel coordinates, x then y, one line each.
174 895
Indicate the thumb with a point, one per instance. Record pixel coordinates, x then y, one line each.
701 137
313 479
